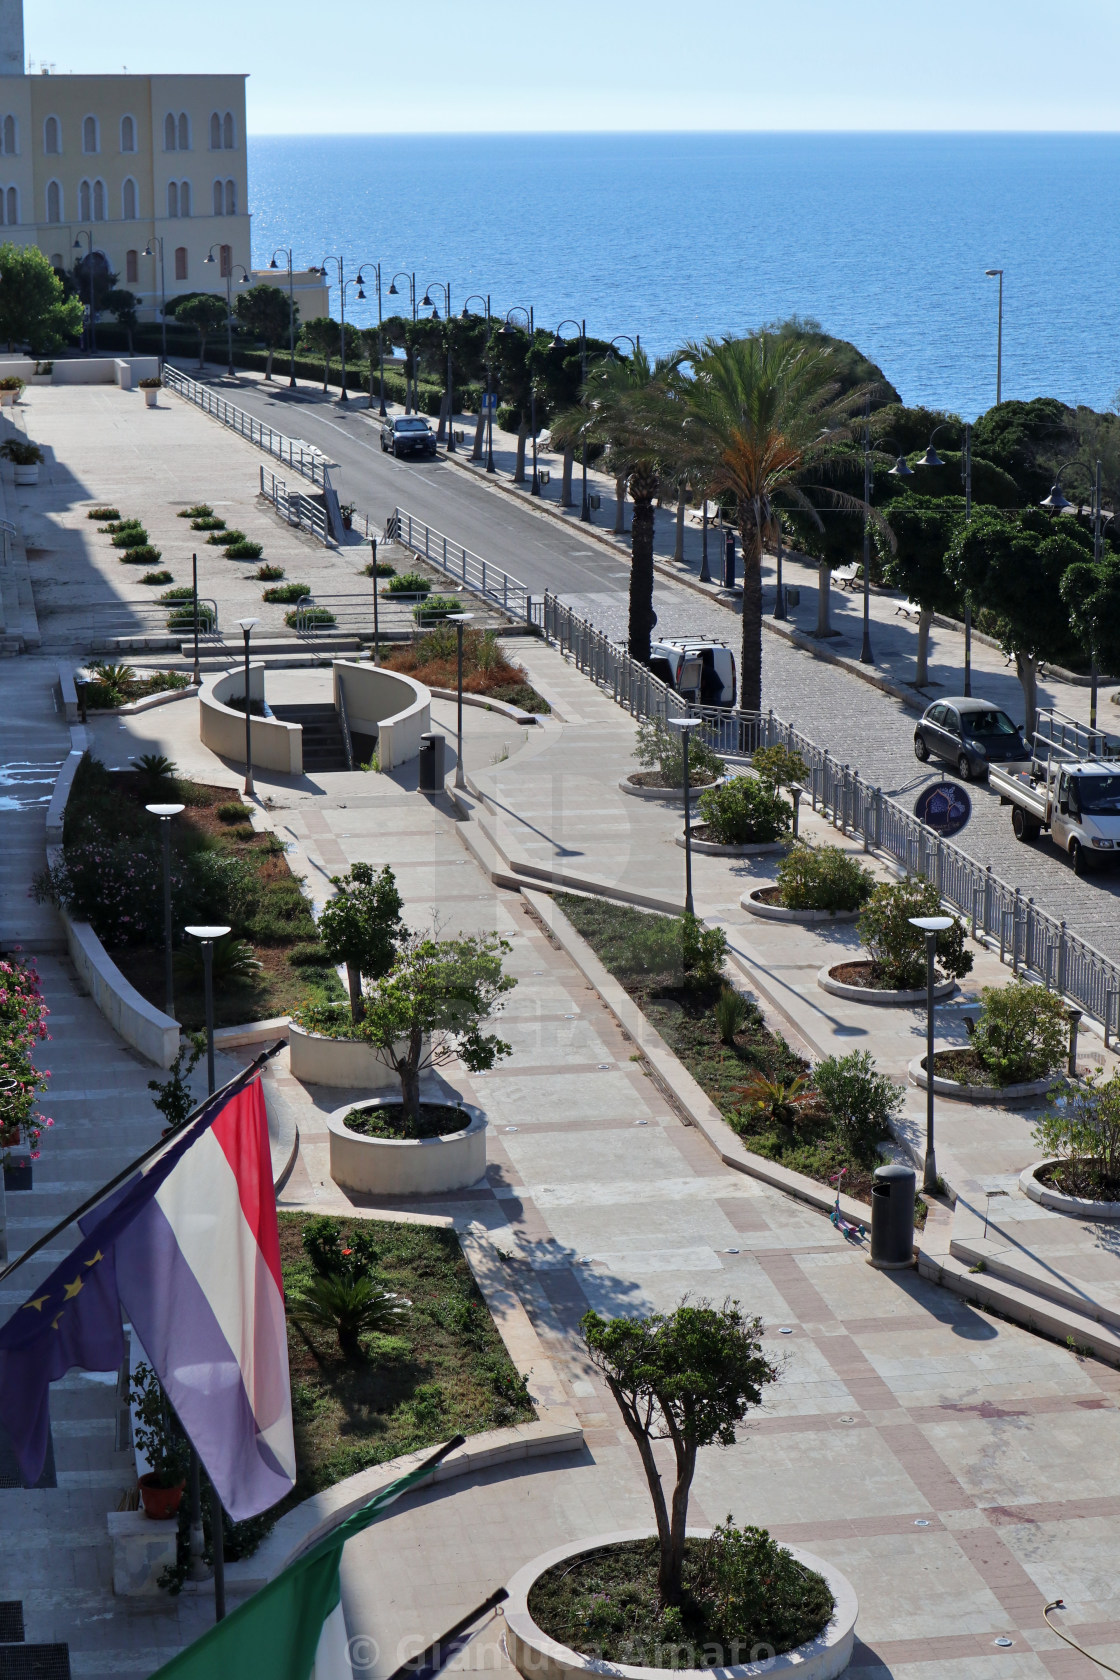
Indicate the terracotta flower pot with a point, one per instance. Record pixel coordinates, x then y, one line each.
160 1502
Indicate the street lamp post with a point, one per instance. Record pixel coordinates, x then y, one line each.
148 252
780 596
291 313
445 288
458 620
930 926
321 270
518 309
87 235
165 814
196 674
247 626
584 504
685 727
932 459
489 411
405 274
245 280
705 574
375 267
866 656
991 273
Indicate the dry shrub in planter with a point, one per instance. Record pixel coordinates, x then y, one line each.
742 811
897 950
660 748
823 878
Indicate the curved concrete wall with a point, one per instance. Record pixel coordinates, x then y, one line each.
395 708
139 1022
276 745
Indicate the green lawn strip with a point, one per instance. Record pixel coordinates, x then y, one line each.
448 1372
683 1015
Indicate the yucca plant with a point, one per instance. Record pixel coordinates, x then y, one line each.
777 1100
232 962
731 1011
352 1307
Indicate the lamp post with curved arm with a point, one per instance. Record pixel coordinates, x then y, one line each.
465 315
245 280
426 300
508 327
87 234
291 313
1057 503
932 459
405 274
375 269
901 469
156 239
321 270
557 342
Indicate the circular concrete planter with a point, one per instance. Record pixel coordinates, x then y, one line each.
318 1059
1046 1196
778 913
879 999
406 1166
979 1093
538 1657
674 795
749 848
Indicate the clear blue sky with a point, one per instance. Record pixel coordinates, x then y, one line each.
358 66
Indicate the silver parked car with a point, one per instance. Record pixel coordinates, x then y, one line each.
970 734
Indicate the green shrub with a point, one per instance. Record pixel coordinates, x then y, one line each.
823 878
142 555
743 811
182 617
310 616
351 1307
660 748
156 577
219 539
268 573
1085 1132
200 510
731 1012
383 569
286 592
436 606
898 950
208 522
779 765
859 1097
409 583
233 811
103 513
760 1586
130 538
232 962
1021 1034
244 551
117 525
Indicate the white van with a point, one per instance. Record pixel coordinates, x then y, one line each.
701 671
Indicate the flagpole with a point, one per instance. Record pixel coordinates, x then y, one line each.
154 1149
430 1662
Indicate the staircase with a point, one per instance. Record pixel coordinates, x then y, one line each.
323 747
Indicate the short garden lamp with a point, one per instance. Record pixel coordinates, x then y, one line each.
206 937
165 814
458 620
930 926
248 625
795 792
685 727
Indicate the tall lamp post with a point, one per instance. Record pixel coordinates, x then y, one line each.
901 469
489 410
458 620
426 300
375 269
247 626
156 239
508 327
410 276
930 926
557 342
932 459
291 313
1056 502
246 278
991 273
322 270
165 814
87 235
685 727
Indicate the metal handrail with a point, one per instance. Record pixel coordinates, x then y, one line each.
296 508
469 569
106 614
345 722
301 457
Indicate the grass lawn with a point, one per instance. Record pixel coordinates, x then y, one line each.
447 1373
683 1015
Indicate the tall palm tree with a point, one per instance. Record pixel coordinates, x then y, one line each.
764 420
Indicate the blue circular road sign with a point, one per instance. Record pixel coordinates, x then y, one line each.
945 807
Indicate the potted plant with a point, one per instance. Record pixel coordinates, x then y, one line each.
894 970
628 1602
739 817
361 927
160 1438
660 751
10 387
426 1012
1017 1044
815 884
347 510
151 389
44 374
1081 1141
25 456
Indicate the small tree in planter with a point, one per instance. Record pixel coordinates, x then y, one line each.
361 927
744 811
823 878
439 991
1021 1034
898 950
661 748
1084 1134
160 1437
689 1376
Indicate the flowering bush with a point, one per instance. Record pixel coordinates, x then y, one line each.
23 1025
116 886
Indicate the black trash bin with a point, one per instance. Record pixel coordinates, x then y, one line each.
431 763
729 560
892 1217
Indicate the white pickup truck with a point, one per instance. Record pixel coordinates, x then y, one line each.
1072 790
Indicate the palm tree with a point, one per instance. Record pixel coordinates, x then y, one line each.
764 421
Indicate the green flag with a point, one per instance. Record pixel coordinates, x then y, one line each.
274 1635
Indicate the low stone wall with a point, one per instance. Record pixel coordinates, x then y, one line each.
104 370
386 704
138 1022
56 810
276 745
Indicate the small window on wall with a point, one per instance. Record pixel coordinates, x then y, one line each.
218 198
215 132
56 259
184 132
128 134
169 132
85 202
172 198
225 261
180 262
227 131
52 137
99 201
132 267
128 200
184 198
231 198
10 137
89 135
13 207
54 202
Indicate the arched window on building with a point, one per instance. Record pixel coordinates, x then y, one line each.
128 134
172 198
169 132
131 267
13 206
180 262
184 198
11 137
184 132
85 202
215 132
99 201
231 198
227 131
52 137
90 138
219 200
1 206
225 261
54 202
129 208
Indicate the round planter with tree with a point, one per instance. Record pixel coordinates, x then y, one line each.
360 927
151 389
1018 1045
1081 1139
893 972
739 817
660 752
815 884
26 458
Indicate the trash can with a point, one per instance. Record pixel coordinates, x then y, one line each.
729 560
892 1218
431 763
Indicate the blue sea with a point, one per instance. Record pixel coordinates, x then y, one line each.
882 238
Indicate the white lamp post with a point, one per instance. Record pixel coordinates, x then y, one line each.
165 814
685 726
930 926
247 626
458 620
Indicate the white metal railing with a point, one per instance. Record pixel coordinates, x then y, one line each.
296 508
139 618
470 570
301 457
398 616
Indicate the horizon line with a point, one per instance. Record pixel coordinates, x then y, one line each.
683 133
